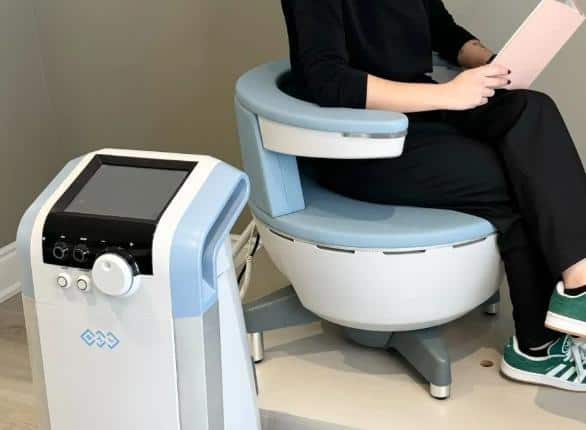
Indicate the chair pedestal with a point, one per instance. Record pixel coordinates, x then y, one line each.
424 349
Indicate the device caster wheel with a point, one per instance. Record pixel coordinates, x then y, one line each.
440 392
257 347
492 309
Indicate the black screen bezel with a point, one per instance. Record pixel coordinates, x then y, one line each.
111 160
104 231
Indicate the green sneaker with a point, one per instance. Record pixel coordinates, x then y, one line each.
567 314
562 368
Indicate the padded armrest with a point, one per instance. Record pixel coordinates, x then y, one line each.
295 127
257 91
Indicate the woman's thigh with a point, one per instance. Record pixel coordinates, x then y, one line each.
439 169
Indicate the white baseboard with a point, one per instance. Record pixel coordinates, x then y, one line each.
9 273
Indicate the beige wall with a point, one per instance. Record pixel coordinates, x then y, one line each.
30 152
154 74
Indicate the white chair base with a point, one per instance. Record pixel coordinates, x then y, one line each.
387 290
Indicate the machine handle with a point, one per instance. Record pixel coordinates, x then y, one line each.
218 232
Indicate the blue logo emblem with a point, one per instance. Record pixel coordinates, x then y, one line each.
100 339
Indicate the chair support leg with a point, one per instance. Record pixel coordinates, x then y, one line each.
257 347
427 352
424 349
278 310
491 307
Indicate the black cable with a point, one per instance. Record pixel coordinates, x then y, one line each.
254 249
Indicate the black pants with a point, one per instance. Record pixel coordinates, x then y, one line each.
511 162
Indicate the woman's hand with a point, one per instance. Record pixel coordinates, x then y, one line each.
474 87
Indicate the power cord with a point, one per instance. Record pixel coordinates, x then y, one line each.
250 256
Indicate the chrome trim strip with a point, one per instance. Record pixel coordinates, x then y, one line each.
376 135
474 242
329 248
419 251
281 235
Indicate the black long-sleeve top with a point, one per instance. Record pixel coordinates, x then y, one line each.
335 44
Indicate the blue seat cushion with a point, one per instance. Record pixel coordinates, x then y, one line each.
332 219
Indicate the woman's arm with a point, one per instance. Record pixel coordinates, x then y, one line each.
454 42
474 54
468 90
332 82
447 37
316 32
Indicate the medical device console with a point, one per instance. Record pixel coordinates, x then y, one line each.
130 296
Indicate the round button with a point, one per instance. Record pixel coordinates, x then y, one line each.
113 275
83 283
64 280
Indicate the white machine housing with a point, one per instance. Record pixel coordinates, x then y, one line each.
105 356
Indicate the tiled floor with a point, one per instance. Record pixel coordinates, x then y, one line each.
314 379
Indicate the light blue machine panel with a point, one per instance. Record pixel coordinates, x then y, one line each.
199 237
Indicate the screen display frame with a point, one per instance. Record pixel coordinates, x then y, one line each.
128 192
111 160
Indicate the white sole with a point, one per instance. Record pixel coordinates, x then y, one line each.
565 325
536 379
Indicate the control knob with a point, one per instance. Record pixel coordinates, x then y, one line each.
114 273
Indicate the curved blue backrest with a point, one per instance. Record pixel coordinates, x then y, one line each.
275 178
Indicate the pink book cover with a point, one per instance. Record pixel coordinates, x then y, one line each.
539 39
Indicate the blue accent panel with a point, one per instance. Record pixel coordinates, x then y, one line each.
199 237
258 92
276 186
25 228
332 219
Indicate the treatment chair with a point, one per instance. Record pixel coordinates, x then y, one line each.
390 275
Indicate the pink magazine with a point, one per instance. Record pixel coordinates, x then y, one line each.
539 39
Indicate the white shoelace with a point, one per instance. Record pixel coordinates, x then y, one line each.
577 354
